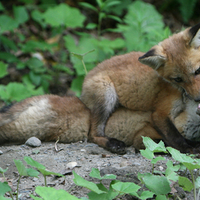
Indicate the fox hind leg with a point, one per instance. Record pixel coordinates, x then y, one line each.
102 101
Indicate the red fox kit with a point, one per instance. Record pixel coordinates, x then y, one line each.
125 100
174 73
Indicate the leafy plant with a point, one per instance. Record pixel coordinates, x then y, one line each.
140 31
102 11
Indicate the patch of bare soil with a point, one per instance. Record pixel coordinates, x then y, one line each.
87 156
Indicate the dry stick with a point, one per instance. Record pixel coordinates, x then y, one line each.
57 150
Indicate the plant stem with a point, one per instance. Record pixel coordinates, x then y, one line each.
193 181
84 66
18 187
45 181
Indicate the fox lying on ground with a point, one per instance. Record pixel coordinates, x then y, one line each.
123 100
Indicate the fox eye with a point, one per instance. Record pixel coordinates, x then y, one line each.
197 71
179 79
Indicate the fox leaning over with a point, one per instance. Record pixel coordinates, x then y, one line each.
123 80
126 100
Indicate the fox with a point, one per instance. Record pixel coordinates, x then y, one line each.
67 119
128 96
158 81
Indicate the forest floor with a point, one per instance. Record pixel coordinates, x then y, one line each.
87 156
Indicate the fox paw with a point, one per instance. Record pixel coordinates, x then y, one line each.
116 146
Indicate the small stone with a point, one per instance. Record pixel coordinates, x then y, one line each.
83 150
123 164
33 142
161 168
1 152
71 165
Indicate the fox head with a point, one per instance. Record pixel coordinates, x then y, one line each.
177 60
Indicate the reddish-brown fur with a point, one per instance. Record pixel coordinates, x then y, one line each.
126 100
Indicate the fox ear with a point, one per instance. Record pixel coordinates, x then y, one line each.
153 58
195 36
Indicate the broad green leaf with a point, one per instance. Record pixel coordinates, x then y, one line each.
7 23
33 163
3 69
87 5
4 188
170 171
78 180
46 172
35 198
154 147
139 29
126 187
155 160
157 184
197 182
147 154
146 195
49 193
8 43
34 63
21 14
3 170
38 17
21 168
187 9
76 85
189 162
15 92
95 173
161 197
32 172
8 57
64 68
4 198
109 195
1 7
65 15
185 183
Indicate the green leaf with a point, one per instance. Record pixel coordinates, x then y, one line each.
8 57
87 5
33 173
76 85
185 183
1 7
38 17
170 171
95 173
21 168
78 180
109 195
187 9
126 187
49 193
7 23
147 154
154 147
4 188
8 43
189 162
32 46
46 172
157 184
34 63
15 92
146 195
20 13
197 182
91 26
65 15
64 68
3 69
33 163
161 197
155 160
2 171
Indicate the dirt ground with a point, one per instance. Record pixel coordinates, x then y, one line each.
87 156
